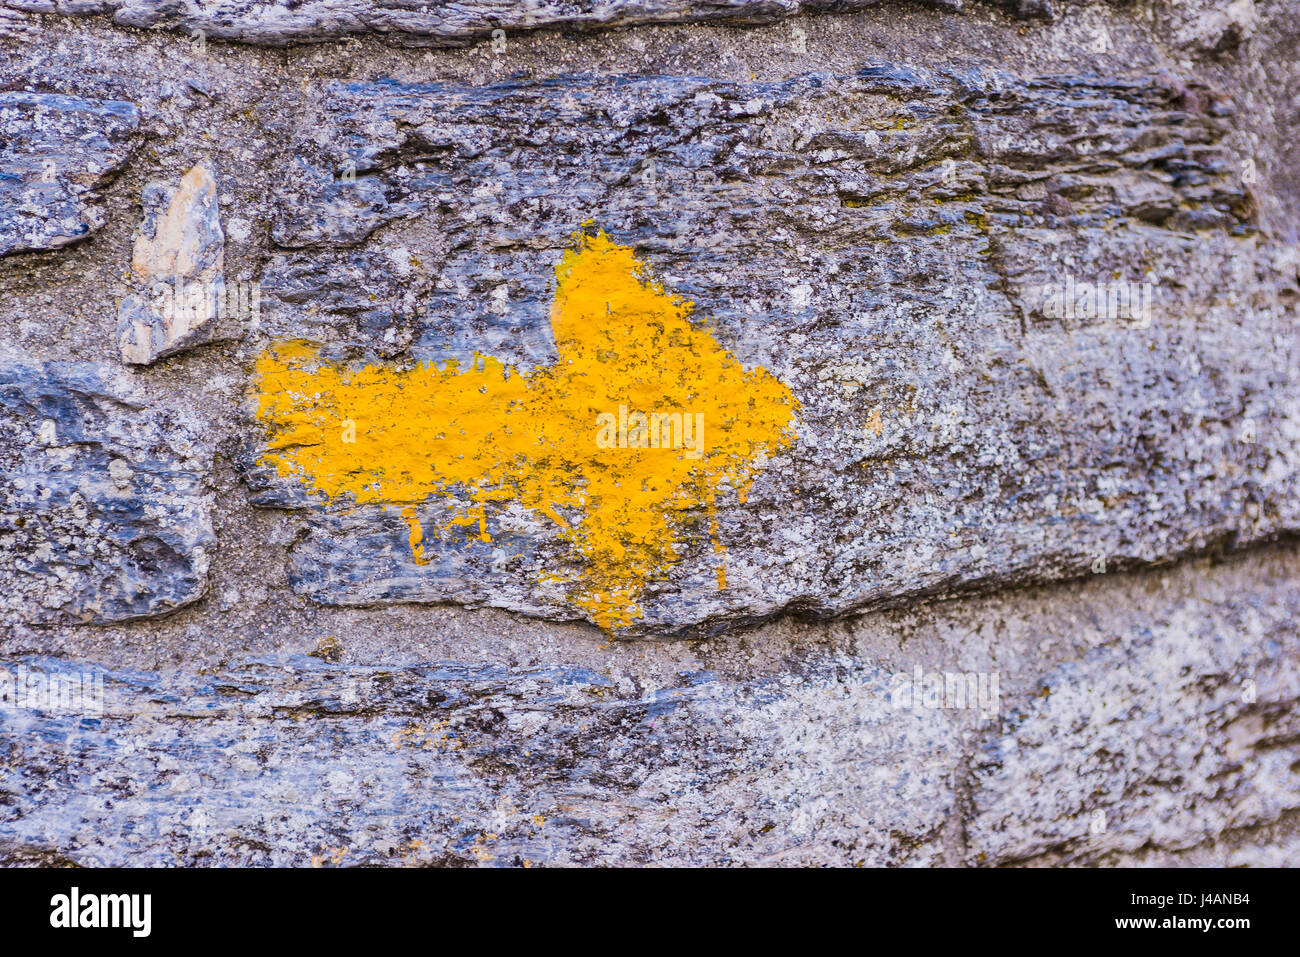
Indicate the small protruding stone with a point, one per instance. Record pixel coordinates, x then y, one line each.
177 270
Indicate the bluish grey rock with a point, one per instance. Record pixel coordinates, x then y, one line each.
1153 744
104 501
438 22
928 245
1029 280
293 762
55 152
1157 728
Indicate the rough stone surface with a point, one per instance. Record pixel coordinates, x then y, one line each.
1011 446
1150 745
1097 513
55 152
104 511
178 269
437 23
290 760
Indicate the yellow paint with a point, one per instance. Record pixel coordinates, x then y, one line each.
479 848
415 736
489 433
415 535
874 424
332 855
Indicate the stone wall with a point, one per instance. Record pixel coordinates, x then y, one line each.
983 552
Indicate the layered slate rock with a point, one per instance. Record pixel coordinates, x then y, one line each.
896 247
1157 741
452 764
1171 697
104 501
1145 716
437 22
55 152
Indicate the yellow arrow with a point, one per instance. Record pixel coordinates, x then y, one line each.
642 419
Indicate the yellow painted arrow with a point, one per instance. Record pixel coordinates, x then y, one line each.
642 419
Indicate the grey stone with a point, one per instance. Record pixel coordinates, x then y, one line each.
1154 743
454 764
104 501
893 240
1146 697
178 282
438 23
291 760
315 208
56 151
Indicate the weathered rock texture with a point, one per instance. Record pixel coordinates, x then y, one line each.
1010 445
103 505
1174 719
439 23
1092 501
56 150
177 267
